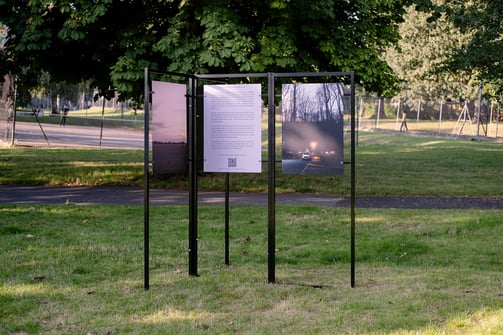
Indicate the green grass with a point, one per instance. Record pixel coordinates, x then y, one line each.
92 117
93 112
386 164
75 167
433 127
79 270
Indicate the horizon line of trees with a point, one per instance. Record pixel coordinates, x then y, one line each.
427 48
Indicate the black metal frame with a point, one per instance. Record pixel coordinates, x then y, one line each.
193 164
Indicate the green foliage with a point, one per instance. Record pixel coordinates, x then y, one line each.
424 47
82 40
109 42
482 54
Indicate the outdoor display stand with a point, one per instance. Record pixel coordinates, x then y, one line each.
220 101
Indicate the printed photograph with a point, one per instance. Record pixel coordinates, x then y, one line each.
313 124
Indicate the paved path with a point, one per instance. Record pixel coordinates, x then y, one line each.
32 134
135 196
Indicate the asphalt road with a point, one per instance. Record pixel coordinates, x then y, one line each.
301 166
118 195
33 134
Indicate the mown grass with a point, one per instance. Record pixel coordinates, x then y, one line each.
92 117
79 270
386 164
75 167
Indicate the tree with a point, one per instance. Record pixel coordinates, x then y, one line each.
110 42
425 45
482 54
78 40
331 98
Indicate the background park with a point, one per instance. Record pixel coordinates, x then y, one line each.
78 269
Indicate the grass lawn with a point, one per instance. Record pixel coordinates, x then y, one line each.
386 164
68 269
92 117
79 270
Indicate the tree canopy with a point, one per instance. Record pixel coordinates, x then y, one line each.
419 61
110 42
482 54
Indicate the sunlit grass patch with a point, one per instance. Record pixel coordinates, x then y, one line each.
79 269
386 164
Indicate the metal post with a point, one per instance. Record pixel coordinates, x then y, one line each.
378 112
440 115
353 181
478 109
498 113
102 119
398 112
41 128
13 80
418 111
146 202
271 180
490 120
192 139
227 262
360 113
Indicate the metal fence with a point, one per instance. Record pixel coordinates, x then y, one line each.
468 118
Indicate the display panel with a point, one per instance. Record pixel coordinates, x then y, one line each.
232 128
169 128
312 129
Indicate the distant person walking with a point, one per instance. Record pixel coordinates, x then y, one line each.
404 121
62 122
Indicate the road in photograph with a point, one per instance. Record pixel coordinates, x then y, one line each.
33 134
